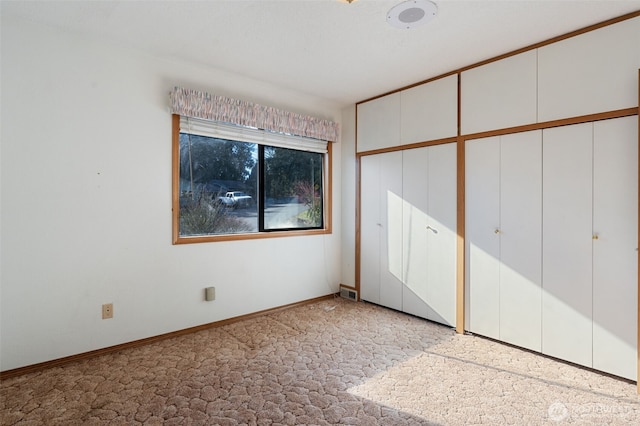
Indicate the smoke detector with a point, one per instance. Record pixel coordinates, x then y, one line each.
411 14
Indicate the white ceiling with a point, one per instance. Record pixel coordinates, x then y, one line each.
336 51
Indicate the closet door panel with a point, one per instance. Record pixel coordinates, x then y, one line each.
521 239
379 123
415 299
391 238
429 111
567 243
370 228
615 219
500 94
482 182
441 233
429 220
593 72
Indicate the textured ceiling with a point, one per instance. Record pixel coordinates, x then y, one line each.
336 51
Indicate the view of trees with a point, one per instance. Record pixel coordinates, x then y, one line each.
204 159
286 167
211 166
290 173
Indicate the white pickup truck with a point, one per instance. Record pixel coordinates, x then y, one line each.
235 199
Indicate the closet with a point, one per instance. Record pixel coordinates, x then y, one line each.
551 242
548 137
589 303
408 231
426 112
503 230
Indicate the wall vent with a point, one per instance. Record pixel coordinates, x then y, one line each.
349 293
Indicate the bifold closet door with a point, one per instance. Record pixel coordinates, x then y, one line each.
521 239
429 223
552 241
482 183
504 237
415 221
615 225
370 228
567 243
441 233
381 229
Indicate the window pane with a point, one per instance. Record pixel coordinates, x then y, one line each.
293 189
218 186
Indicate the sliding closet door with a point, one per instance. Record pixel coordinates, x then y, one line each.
521 239
615 219
482 183
567 243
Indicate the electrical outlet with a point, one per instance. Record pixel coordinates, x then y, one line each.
210 294
107 311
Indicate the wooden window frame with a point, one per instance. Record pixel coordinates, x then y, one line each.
175 204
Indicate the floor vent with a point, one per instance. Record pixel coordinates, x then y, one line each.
348 293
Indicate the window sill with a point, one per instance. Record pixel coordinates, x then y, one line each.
177 240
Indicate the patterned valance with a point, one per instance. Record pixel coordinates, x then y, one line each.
192 103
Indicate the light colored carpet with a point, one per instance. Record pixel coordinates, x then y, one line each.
332 362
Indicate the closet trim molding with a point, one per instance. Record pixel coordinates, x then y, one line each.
638 242
408 146
589 118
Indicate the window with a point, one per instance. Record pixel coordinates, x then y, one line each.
234 182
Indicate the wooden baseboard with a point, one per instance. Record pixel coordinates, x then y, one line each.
136 343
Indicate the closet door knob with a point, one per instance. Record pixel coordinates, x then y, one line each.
595 236
497 231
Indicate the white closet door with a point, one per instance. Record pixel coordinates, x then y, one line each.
381 229
415 298
593 72
379 123
482 183
521 239
567 244
429 221
499 94
370 228
391 227
441 233
429 111
615 219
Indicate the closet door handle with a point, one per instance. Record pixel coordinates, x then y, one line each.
435 231
595 237
497 231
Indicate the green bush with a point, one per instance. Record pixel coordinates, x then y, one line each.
204 217
309 195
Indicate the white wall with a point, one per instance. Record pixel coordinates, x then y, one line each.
86 203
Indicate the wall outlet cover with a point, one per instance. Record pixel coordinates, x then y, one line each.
210 294
107 311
